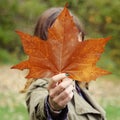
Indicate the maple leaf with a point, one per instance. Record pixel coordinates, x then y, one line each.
62 52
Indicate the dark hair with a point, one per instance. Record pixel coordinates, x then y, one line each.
46 20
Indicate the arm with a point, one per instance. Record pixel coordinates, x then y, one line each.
55 115
38 103
35 99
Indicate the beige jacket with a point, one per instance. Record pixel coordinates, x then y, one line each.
79 109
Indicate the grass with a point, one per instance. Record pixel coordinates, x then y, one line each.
18 112
113 112
12 107
111 107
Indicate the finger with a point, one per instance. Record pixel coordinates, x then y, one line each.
58 77
64 102
64 84
66 93
55 79
61 87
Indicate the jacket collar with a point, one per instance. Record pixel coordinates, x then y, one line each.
83 107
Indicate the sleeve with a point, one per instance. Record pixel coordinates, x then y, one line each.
35 98
37 103
53 116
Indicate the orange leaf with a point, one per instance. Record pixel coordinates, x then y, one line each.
62 52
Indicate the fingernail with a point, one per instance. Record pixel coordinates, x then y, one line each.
66 74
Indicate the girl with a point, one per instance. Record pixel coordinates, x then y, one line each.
59 97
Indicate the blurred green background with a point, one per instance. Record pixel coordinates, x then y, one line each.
101 18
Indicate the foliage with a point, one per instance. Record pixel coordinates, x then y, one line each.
64 54
103 16
5 57
100 18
